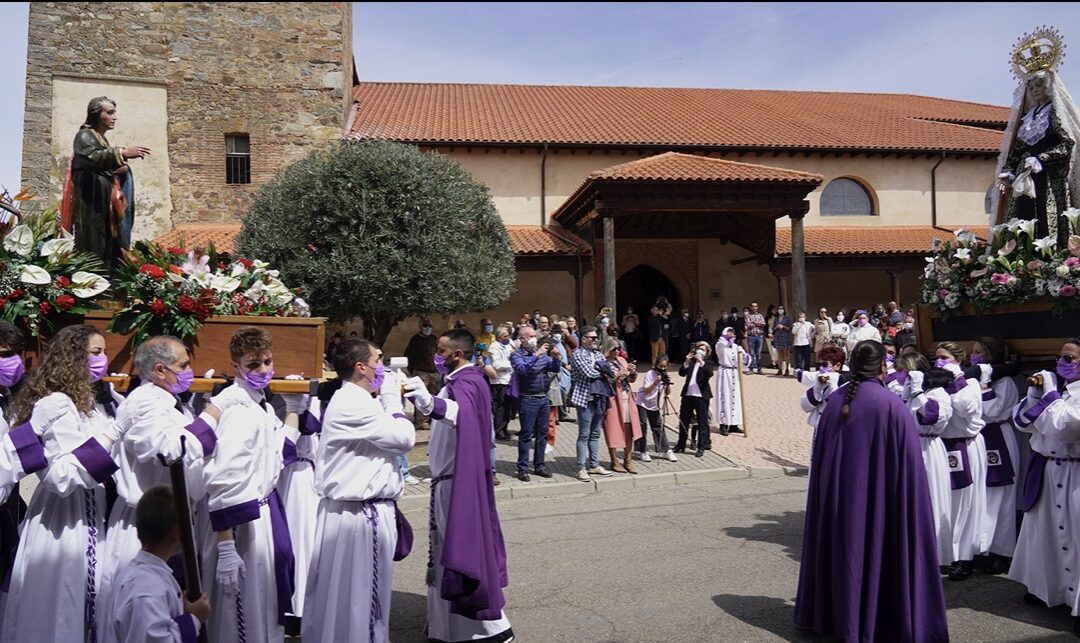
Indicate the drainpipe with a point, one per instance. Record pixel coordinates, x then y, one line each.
543 187
933 193
579 295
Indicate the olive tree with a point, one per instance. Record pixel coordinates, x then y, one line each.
380 231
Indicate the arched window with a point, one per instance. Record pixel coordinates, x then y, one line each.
846 196
988 202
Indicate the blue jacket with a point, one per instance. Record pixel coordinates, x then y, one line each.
532 372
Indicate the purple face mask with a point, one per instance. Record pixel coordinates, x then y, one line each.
889 358
183 381
440 364
257 381
941 362
99 364
976 359
1066 370
11 370
380 375
825 368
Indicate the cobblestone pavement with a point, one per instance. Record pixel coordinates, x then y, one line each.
776 436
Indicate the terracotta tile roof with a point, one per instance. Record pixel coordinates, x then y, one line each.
868 240
190 235
671 117
527 240
672 166
531 240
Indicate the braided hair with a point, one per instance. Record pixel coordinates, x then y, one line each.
865 364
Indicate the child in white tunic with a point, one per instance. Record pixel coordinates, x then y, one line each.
349 585
54 582
145 604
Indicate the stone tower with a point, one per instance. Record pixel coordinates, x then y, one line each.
225 94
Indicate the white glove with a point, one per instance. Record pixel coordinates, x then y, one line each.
230 567
1049 382
914 382
417 393
296 403
1033 164
985 371
1006 176
206 396
390 392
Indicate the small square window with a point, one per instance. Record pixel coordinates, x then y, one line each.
237 159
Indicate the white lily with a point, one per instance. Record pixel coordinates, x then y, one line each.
1027 227
1045 245
279 292
29 274
963 254
224 283
20 240
1073 215
965 237
238 269
86 284
57 246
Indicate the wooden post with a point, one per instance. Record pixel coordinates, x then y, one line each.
609 264
896 286
781 283
742 398
798 261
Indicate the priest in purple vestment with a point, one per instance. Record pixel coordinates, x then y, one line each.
869 560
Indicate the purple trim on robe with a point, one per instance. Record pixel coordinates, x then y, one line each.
1036 409
473 553
230 517
95 459
288 453
989 394
1018 417
188 632
29 448
957 386
438 409
811 398
284 561
900 377
1033 480
960 472
930 413
204 434
310 424
404 534
999 465
400 416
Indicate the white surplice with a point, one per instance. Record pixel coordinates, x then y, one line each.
933 411
1001 501
968 504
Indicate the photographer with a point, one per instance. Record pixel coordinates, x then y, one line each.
696 394
657 382
533 367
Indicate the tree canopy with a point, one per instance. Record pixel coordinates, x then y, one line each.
380 231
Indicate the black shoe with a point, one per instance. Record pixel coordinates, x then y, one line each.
679 450
734 429
523 476
699 453
724 430
543 472
960 570
502 435
997 565
292 625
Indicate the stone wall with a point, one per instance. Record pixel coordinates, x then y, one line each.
276 71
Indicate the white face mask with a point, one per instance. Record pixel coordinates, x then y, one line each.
488 328
700 353
556 338
531 342
426 330
839 318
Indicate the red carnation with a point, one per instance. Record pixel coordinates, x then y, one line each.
157 307
62 282
16 294
186 304
150 269
3 303
65 302
173 250
244 262
45 308
201 312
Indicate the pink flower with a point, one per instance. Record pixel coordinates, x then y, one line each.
999 278
943 293
1072 262
1066 291
1007 249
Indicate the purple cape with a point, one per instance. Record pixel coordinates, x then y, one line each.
473 555
869 560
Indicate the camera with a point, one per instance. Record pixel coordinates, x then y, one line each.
665 379
479 347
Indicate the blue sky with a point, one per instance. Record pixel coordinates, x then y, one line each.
947 50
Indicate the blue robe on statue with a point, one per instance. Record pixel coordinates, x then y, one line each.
869 560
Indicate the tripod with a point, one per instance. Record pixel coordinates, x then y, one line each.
667 407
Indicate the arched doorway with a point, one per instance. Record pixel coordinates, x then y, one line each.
639 287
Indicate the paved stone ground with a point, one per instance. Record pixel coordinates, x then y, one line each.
776 436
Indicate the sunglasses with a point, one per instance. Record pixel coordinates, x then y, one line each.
1068 359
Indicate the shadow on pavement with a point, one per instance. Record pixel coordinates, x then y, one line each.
1003 598
780 461
768 613
407 617
784 529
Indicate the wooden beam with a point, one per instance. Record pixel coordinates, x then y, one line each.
798 262
609 263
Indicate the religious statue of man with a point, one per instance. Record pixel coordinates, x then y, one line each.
98 205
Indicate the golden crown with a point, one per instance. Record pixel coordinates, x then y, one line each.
1041 50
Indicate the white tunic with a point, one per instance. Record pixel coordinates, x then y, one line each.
998 406
442 625
1047 556
968 504
727 402
932 411
297 488
812 401
145 605
150 424
56 574
352 565
240 476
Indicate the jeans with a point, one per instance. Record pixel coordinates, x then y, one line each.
534 424
403 465
588 440
802 357
755 341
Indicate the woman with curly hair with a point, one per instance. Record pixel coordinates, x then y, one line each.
53 590
869 558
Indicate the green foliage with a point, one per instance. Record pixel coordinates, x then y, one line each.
381 231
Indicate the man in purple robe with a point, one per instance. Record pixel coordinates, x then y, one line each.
466 555
869 561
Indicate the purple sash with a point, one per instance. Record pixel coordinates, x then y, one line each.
512 388
959 462
284 561
1033 481
404 535
957 385
999 466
